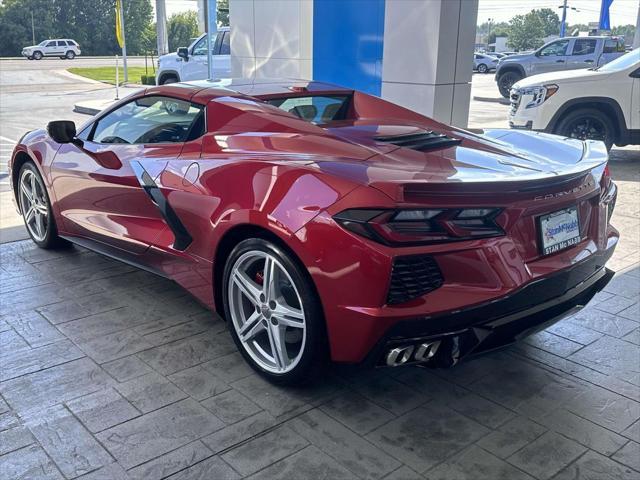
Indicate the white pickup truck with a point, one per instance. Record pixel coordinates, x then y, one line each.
190 63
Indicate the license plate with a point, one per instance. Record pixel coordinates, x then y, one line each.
559 230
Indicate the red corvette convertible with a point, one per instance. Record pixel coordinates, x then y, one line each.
325 223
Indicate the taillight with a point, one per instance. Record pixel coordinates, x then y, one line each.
421 226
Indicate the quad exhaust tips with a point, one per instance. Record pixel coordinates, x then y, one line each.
417 353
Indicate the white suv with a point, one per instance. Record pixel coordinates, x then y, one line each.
190 63
601 103
64 48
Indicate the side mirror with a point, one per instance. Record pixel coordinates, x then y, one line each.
62 131
183 52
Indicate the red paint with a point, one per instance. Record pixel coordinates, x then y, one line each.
260 166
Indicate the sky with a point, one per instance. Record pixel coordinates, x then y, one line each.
622 12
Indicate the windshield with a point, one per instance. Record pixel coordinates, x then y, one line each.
622 63
43 42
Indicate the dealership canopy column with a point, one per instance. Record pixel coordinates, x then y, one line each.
417 53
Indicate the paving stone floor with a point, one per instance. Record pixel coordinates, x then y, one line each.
107 372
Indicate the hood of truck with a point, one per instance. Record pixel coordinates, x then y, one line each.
563 77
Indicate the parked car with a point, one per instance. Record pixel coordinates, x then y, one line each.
567 53
191 63
601 103
484 63
323 222
64 48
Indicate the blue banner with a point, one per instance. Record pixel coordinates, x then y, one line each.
605 22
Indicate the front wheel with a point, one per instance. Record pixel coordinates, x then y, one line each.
37 55
169 79
506 81
273 312
36 208
587 124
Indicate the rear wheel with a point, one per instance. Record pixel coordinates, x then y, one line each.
506 81
37 55
482 68
36 208
587 124
273 312
70 55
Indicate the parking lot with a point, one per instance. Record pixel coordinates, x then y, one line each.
107 372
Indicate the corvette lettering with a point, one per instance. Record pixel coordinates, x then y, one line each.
563 193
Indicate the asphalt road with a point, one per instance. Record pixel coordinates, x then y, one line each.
32 93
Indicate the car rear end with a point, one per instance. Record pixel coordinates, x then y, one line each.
431 272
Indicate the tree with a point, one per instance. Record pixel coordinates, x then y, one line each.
626 31
549 19
526 32
89 22
181 28
223 13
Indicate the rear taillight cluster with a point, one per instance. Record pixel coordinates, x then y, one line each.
421 226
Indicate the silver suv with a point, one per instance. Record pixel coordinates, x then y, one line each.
64 48
567 53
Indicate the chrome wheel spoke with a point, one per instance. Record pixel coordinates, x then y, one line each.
278 347
29 214
27 192
288 316
40 224
250 290
252 327
269 271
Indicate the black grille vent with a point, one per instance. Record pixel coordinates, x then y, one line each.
413 276
420 141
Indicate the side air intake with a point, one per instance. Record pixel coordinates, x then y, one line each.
421 141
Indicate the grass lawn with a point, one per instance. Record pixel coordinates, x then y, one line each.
108 74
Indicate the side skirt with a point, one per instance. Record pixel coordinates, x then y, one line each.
114 253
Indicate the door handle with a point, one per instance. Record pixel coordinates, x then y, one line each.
588 61
559 61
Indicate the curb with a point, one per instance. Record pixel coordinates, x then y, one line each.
502 101
85 110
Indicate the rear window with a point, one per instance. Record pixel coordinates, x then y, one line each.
316 108
613 45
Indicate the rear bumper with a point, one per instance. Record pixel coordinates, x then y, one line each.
493 324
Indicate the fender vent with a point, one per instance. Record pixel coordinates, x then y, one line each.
425 140
413 276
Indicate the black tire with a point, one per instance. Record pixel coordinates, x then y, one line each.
37 55
506 81
315 352
587 124
30 58
70 55
51 239
482 68
169 79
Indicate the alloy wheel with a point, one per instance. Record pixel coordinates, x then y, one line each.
587 128
266 311
33 204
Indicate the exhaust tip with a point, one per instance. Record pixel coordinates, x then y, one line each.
417 353
399 355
